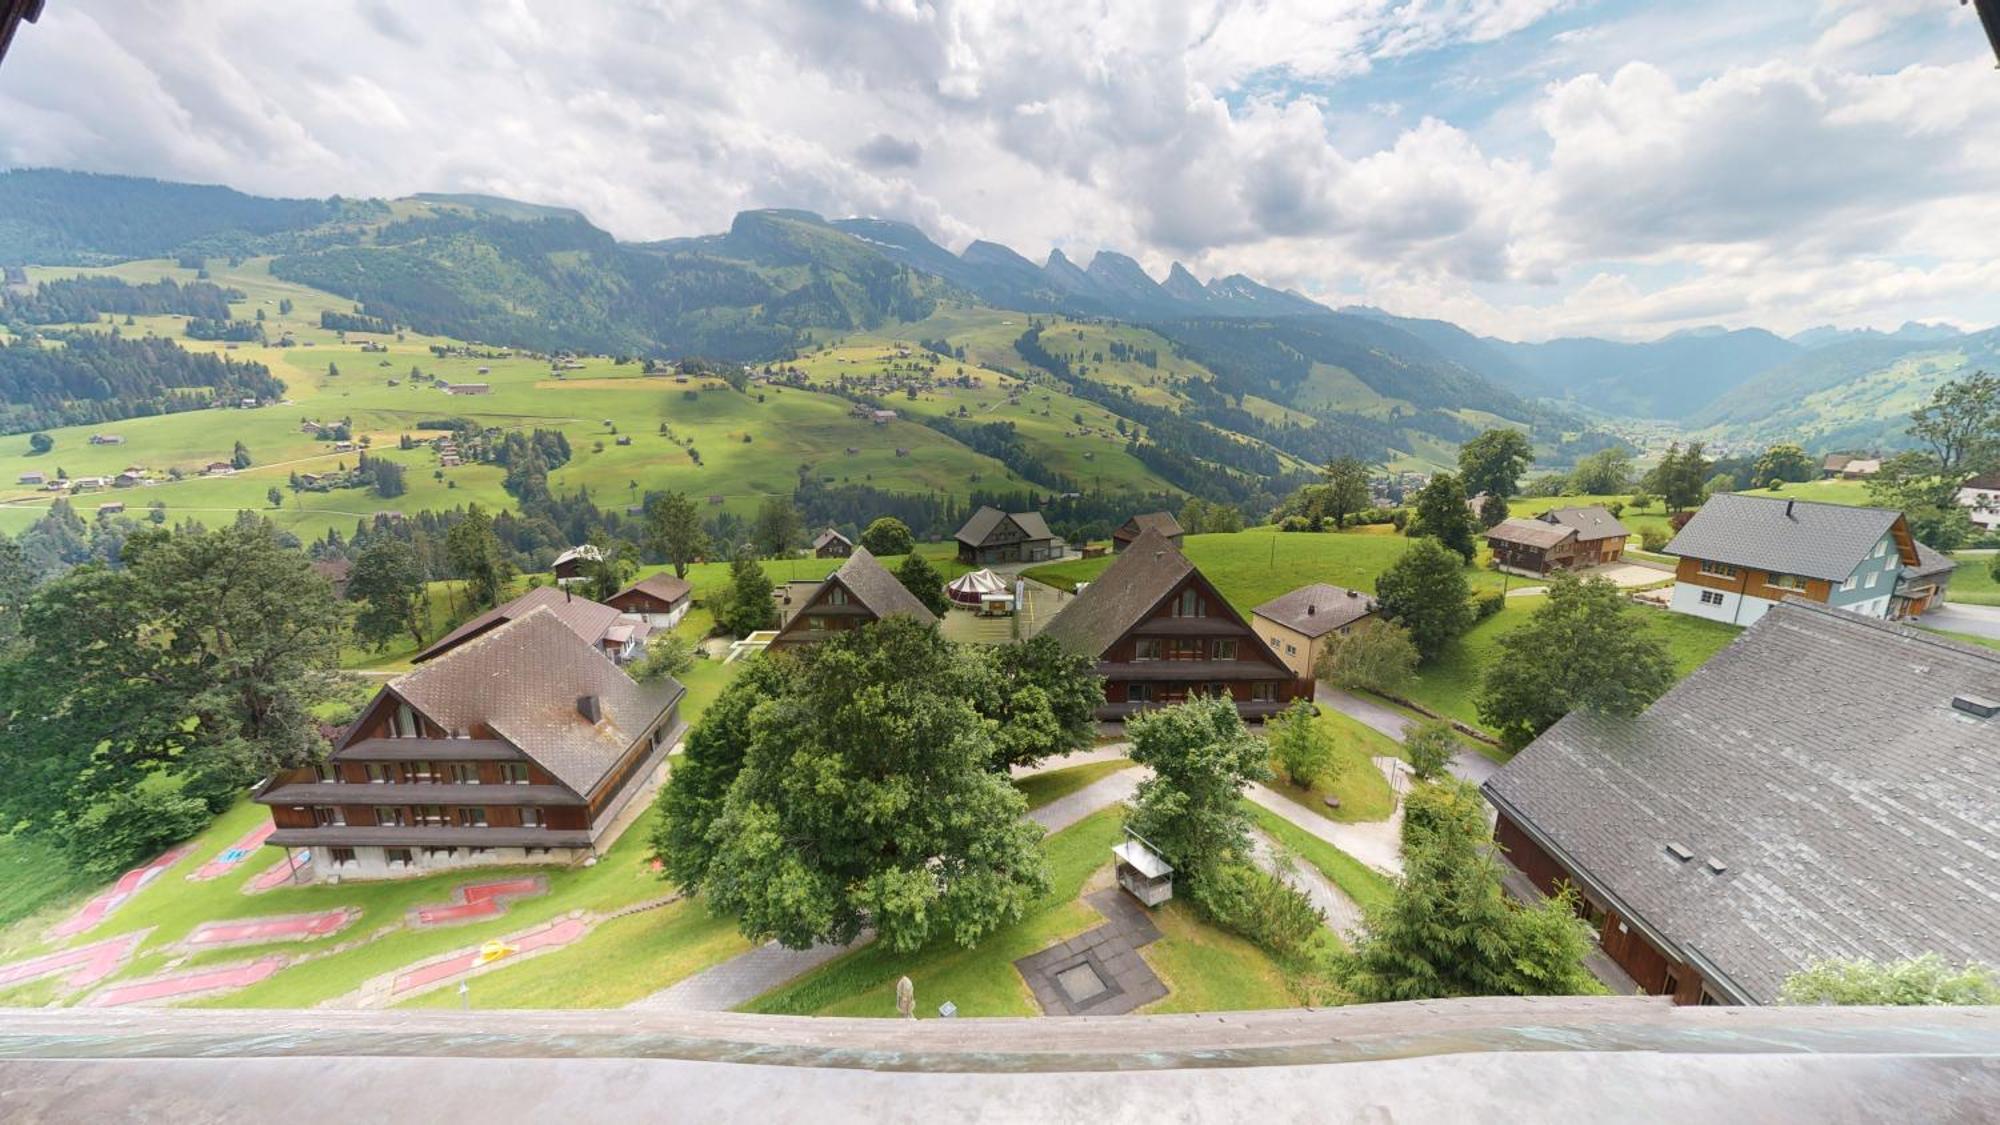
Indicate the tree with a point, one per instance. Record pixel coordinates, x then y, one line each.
40 443
387 476
1301 746
240 456
1492 510
1786 461
1426 593
1580 648
1442 515
387 582
694 796
1603 473
667 654
925 843
1374 656
1346 490
1961 425
746 606
1680 476
673 531
275 497
778 529
475 556
1494 461
920 578
1451 930
888 536
17 584
1040 698
1202 757
1924 980
607 574
1431 747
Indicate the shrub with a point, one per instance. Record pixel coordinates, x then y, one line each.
1302 748
1378 657
1431 747
1401 518
1246 901
1487 604
1928 979
668 654
1295 523
1679 520
1653 539
133 825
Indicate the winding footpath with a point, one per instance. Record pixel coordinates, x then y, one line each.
1466 765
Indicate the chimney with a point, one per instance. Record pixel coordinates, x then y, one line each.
591 708
1788 509
1353 594
1311 609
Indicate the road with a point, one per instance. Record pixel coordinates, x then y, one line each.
1963 617
1466 764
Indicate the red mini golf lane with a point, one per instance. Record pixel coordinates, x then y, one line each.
86 964
480 900
548 937
174 986
128 884
281 872
233 856
291 927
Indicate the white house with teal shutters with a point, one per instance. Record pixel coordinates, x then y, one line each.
1741 555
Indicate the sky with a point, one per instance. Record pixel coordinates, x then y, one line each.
1526 168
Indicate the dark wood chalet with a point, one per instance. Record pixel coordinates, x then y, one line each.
1160 633
860 592
571 565
993 536
832 544
661 600
522 745
1558 539
1162 522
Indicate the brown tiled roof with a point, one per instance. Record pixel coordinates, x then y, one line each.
663 586
585 618
983 521
1127 590
830 536
1591 522
1162 522
880 591
1317 610
524 680
1530 533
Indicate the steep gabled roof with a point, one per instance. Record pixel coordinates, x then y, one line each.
586 618
1162 522
982 522
1590 522
1931 566
830 536
1121 597
874 587
1319 609
524 679
588 552
1852 807
1784 536
1530 533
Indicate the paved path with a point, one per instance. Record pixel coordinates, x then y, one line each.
1377 843
1468 765
180 986
1964 617
1100 794
1108 752
1343 914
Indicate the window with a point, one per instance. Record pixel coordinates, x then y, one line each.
341 856
1849 584
1274 641
1718 570
472 817
1671 986
1786 582
329 816
1264 693
1138 693
406 722
398 857
1189 604
1881 548
428 815
837 596
379 773
816 624
465 773
1146 648
1225 649
418 773
513 773
1872 576
533 818
1711 597
326 772
1291 650
391 817
1185 648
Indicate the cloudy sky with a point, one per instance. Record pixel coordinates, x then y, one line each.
1528 168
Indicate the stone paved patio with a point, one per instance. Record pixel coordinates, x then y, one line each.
1099 972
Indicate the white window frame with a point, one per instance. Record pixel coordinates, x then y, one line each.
1872 576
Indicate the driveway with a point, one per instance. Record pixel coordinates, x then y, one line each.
1963 617
1466 764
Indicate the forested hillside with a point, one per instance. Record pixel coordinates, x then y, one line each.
84 378
51 217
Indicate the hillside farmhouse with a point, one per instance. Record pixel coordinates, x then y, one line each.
1821 788
861 592
1980 497
1846 466
993 536
468 388
832 544
522 745
1168 527
1740 555
660 600
1298 625
1160 633
571 564
617 636
1558 539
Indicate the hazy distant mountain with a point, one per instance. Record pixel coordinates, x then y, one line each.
1855 392
1911 331
1668 378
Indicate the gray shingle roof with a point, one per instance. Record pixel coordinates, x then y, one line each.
1317 610
1162 522
586 618
830 535
1930 565
1819 758
1148 570
1783 536
1590 521
874 587
982 522
1532 533
523 679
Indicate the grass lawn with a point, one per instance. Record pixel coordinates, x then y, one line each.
1363 791
1210 970
1973 581
1041 788
35 875
1357 879
1970 639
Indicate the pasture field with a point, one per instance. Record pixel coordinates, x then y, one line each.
1973 581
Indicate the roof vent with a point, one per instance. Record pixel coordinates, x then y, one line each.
1680 852
1311 609
1716 866
1975 705
1353 593
591 708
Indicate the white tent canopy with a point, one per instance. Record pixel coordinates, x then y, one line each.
976 587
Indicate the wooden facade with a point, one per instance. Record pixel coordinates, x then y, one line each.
1751 581
831 609
1193 643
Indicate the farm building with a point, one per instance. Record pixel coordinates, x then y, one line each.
859 593
1732 833
107 439
595 622
520 746
335 571
1297 625
35 476
1921 586
1162 522
570 565
993 536
1740 555
661 600
832 544
1160 633
1980 497
1558 539
112 508
468 388
217 469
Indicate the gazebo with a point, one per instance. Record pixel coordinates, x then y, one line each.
1143 872
977 588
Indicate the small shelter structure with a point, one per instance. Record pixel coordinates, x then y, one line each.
1142 871
972 589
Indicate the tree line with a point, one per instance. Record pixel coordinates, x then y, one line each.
104 377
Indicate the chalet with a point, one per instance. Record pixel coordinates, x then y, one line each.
832 544
1298 625
570 566
89 484
993 536
1558 539
35 477
859 593
468 388
1160 633
1846 466
129 478
1740 555
336 572
660 600
107 439
1921 586
113 508
1822 787
343 447
1980 497
217 469
523 745
1164 523
592 621
60 484
881 417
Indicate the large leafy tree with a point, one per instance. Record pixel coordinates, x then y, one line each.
1040 698
712 758
888 536
1426 593
1345 491
17 581
1201 758
1441 514
1451 930
476 558
387 584
1375 656
1580 648
746 604
865 799
1494 461
1785 461
779 529
922 579
674 532
1680 477
1602 473
1960 427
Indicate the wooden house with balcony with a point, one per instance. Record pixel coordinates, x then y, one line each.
521 745
1160 634
1741 555
993 536
862 591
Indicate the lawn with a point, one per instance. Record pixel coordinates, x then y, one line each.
35 875
1360 882
1363 791
1973 581
1210 970
1041 788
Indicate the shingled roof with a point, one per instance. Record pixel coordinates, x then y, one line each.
1590 521
1530 533
1162 522
1120 597
524 679
881 592
586 618
1319 609
1784 536
663 586
1821 762
982 522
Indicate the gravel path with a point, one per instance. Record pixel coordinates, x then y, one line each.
1377 843
1343 914
1467 765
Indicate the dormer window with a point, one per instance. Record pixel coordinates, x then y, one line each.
837 596
1189 604
405 724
